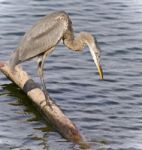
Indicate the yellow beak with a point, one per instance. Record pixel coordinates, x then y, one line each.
100 71
96 61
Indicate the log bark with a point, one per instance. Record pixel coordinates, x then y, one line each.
54 116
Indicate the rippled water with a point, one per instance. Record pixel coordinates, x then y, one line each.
109 112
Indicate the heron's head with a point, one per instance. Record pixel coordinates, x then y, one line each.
95 52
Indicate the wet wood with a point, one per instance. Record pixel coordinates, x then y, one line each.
54 116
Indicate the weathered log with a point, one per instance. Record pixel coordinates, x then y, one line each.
54 116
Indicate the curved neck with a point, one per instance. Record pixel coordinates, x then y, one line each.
79 42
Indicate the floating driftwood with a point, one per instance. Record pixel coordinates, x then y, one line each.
53 115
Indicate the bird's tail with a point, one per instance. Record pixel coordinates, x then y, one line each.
14 60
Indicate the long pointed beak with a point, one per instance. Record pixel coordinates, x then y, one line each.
100 71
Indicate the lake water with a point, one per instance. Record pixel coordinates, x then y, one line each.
109 112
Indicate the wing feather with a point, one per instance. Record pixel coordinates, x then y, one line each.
44 35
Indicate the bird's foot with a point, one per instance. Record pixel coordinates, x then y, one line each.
49 103
47 98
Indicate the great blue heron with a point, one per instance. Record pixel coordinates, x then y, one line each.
42 38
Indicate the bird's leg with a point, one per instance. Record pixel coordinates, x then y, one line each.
40 73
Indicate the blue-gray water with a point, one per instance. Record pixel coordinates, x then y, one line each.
109 112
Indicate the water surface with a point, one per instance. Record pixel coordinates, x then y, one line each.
109 112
